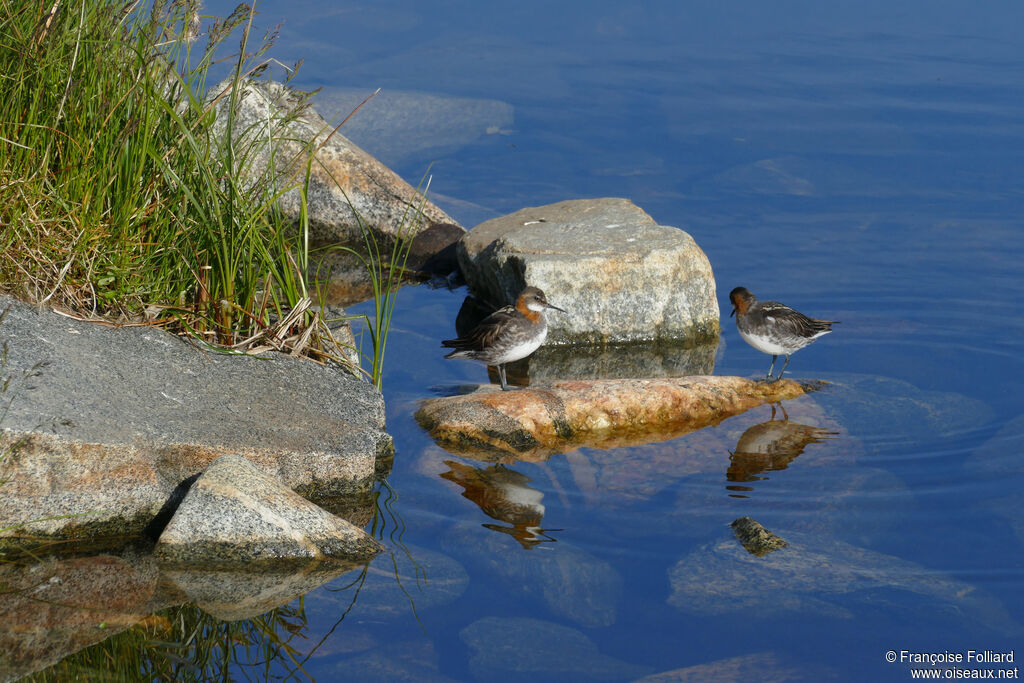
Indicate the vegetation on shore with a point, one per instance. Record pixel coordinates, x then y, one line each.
120 198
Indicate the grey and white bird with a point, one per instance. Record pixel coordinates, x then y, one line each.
771 327
509 334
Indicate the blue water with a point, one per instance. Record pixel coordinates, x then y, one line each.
859 162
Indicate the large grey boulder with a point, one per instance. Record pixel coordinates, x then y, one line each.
348 188
619 275
234 515
115 420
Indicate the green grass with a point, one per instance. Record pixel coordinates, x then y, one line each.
121 198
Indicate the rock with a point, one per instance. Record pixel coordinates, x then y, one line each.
517 648
391 661
817 575
999 458
755 538
409 582
117 419
620 276
236 595
236 516
883 410
533 424
571 583
433 251
345 181
763 667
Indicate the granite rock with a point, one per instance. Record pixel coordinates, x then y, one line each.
234 515
345 181
619 275
103 425
519 648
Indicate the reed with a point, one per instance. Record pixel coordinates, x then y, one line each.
120 194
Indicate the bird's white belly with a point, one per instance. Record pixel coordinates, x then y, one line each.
765 344
520 350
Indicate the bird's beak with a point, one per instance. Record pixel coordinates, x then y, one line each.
555 307
733 312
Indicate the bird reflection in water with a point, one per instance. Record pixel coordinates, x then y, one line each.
768 447
503 494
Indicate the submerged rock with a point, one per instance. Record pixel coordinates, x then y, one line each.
818 575
116 420
755 538
515 648
535 423
399 125
396 587
234 515
572 583
763 667
620 276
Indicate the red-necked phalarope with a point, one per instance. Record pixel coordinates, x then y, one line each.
507 335
771 327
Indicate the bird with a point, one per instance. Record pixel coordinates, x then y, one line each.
509 334
771 327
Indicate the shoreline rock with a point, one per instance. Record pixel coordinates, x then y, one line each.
105 424
535 423
345 181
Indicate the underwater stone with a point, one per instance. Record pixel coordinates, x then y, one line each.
755 538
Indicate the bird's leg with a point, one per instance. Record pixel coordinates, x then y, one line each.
772 368
784 366
501 376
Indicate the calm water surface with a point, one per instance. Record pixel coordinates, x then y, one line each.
861 164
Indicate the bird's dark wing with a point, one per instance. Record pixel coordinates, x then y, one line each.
794 322
482 336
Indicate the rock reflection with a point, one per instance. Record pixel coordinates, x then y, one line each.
770 446
54 607
235 596
505 495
